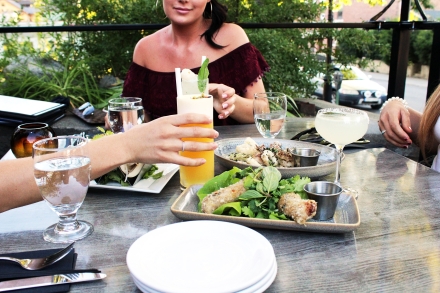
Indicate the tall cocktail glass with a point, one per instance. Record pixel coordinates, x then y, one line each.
201 174
341 126
62 173
270 113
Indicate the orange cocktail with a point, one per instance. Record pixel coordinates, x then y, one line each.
200 174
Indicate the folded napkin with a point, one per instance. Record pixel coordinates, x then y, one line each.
311 135
11 270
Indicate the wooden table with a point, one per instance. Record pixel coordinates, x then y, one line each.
396 248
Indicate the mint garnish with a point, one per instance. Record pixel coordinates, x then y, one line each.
203 74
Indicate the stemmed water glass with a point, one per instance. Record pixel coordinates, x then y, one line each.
124 113
341 126
270 110
62 173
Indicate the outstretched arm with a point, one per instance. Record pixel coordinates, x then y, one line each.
158 141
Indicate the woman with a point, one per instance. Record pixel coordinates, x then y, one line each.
197 29
402 125
158 141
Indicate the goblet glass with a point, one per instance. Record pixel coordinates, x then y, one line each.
26 134
341 126
124 113
62 173
270 110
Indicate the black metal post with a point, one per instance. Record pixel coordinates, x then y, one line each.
327 89
399 55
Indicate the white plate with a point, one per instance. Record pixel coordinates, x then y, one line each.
258 287
326 163
264 283
145 185
200 256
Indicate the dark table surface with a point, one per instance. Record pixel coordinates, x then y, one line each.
395 248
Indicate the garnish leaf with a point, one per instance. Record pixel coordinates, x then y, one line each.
203 74
271 178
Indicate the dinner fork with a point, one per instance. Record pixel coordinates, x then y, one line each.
39 263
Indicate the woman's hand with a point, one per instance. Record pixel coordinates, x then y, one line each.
395 124
160 140
224 99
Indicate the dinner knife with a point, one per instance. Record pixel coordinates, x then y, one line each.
49 280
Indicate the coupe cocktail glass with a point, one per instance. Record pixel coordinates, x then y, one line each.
62 173
270 113
341 126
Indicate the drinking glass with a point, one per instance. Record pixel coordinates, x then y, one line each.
124 113
62 173
26 134
191 87
200 174
270 113
341 126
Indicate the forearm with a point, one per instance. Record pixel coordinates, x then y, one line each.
17 187
107 154
243 112
415 117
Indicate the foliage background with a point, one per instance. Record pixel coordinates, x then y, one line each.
89 56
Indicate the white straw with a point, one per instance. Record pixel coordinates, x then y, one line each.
203 59
178 82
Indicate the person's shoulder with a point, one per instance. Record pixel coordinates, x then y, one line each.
233 35
146 46
147 41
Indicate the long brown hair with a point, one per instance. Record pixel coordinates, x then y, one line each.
429 119
218 13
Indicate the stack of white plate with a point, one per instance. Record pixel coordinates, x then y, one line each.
202 256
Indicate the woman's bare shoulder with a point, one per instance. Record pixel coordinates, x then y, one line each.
146 46
231 35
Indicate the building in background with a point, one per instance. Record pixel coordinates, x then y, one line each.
362 12
10 9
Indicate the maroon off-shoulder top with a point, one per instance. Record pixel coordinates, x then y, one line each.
237 69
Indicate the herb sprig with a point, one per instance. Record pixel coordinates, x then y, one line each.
202 75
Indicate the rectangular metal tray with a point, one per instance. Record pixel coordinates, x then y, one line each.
346 218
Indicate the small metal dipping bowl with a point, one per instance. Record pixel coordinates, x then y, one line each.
326 194
305 157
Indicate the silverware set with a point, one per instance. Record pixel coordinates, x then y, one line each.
33 264
39 263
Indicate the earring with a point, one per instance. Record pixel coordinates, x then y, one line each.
210 2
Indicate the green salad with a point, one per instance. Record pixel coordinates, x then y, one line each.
264 187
